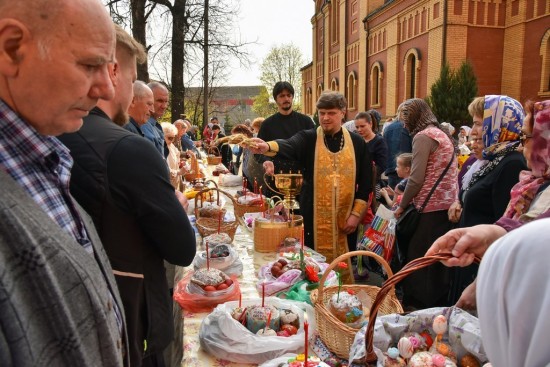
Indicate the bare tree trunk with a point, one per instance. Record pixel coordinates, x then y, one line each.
139 22
205 81
178 41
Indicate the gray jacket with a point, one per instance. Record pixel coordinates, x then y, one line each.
55 308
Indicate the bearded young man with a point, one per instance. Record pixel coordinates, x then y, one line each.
337 176
282 125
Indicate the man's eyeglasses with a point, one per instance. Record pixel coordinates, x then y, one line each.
523 137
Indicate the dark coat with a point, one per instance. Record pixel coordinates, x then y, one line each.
123 183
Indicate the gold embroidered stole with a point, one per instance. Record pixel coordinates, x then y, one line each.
334 190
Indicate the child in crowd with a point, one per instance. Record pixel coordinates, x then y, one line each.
403 169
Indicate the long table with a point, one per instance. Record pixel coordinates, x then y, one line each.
188 323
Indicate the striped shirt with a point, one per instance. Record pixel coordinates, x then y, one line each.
41 165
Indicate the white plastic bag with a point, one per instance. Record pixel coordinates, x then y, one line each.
230 265
229 180
463 334
221 335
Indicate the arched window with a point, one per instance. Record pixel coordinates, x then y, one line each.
545 72
319 90
412 73
334 84
334 20
351 91
309 101
376 84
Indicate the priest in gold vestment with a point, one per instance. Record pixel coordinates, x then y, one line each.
337 177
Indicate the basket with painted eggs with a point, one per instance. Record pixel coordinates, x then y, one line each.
341 310
439 336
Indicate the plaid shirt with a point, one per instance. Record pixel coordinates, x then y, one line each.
42 166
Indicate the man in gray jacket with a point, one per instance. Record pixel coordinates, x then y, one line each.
59 303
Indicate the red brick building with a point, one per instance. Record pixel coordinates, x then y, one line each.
380 53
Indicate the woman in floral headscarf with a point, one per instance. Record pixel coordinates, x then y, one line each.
433 151
530 199
498 120
530 196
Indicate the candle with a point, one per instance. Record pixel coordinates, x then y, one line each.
306 329
207 257
255 186
263 293
262 201
302 238
268 321
240 299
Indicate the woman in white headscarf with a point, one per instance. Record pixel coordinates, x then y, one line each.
173 159
464 135
513 295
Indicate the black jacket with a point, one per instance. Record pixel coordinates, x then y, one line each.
123 183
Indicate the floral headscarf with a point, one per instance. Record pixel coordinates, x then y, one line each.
540 151
525 190
502 123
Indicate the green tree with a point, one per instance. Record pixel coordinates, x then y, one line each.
465 91
451 94
283 63
262 105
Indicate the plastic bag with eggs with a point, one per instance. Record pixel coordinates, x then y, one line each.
221 335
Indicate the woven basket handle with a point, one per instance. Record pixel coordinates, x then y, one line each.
213 150
210 181
343 258
208 189
388 285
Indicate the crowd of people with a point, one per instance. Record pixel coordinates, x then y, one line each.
93 219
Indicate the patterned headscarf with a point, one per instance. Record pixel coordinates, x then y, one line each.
525 190
540 145
502 123
417 115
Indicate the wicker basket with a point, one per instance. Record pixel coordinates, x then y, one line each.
208 226
337 336
241 209
388 287
190 177
213 158
268 235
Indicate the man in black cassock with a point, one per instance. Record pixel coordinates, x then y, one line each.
337 176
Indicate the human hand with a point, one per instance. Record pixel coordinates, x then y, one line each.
351 224
397 212
269 168
182 200
467 300
388 191
257 146
466 243
454 212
